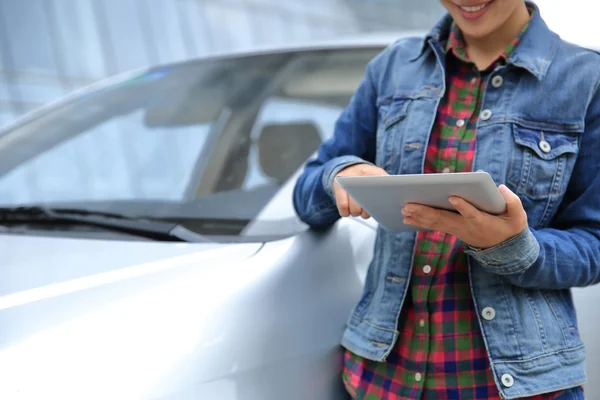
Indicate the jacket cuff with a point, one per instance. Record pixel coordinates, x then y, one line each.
333 167
513 256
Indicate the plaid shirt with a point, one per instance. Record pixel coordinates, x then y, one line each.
440 353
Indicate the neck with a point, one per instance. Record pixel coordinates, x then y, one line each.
483 51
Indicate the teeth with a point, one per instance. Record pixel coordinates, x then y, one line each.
473 9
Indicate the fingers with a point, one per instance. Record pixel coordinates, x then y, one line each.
347 206
355 209
465 208
471 225
431 218
342 201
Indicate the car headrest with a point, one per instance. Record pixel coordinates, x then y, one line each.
283 148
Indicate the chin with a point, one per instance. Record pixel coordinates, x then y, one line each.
475 32
476 29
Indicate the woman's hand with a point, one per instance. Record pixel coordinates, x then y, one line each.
471 226
346 205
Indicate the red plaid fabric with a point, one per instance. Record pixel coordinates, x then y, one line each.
440 353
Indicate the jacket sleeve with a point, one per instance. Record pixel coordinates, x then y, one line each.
353 142
566 254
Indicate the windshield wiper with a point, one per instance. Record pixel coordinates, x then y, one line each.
157 230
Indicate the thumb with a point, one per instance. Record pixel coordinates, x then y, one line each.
513 202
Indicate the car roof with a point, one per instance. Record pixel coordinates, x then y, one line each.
376 39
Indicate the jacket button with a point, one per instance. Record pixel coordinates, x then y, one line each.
485 115
507 380
497 81
488 313
545 146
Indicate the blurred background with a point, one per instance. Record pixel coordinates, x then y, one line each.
50 47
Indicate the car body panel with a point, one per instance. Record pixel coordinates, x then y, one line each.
197 322
34 262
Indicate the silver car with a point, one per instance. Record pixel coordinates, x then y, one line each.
149 245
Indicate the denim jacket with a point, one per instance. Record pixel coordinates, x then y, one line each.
538 133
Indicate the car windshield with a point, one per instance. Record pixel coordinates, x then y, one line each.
209 144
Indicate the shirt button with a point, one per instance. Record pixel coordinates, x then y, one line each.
485 115
497 81
507 380
446 170
418 377
460 123
545 146
488 313
422 323
427 269
473 81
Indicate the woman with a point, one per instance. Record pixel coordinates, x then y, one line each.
479 306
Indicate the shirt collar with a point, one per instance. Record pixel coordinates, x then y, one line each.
457 46
537 45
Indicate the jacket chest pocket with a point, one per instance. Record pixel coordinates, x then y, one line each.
542 161
391 124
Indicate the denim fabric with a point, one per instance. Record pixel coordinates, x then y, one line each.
542 139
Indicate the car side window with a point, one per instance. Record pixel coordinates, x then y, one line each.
285 134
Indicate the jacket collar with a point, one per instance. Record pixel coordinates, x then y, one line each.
534 53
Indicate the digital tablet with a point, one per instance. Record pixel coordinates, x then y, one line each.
383 197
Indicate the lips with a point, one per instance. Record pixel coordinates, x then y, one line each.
473 11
